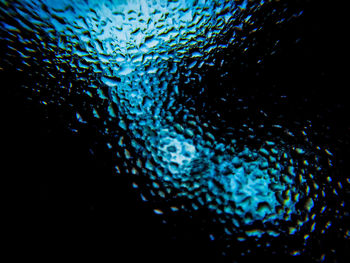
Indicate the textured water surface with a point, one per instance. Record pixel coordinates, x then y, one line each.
164 82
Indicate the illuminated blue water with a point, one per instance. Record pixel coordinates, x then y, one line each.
139 51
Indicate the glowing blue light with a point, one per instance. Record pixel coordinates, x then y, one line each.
137 47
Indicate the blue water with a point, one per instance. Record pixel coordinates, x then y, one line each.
141 55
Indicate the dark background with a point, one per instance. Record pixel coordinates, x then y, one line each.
69 203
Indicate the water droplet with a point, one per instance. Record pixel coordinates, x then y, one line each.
110 81
158 211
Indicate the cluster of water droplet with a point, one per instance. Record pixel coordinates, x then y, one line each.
133 51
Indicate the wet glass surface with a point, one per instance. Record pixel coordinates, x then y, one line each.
179 130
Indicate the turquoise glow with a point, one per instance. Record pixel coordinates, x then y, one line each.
136 48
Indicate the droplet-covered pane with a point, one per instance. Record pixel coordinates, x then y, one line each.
176 88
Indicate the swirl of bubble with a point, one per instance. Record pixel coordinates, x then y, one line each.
136 48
